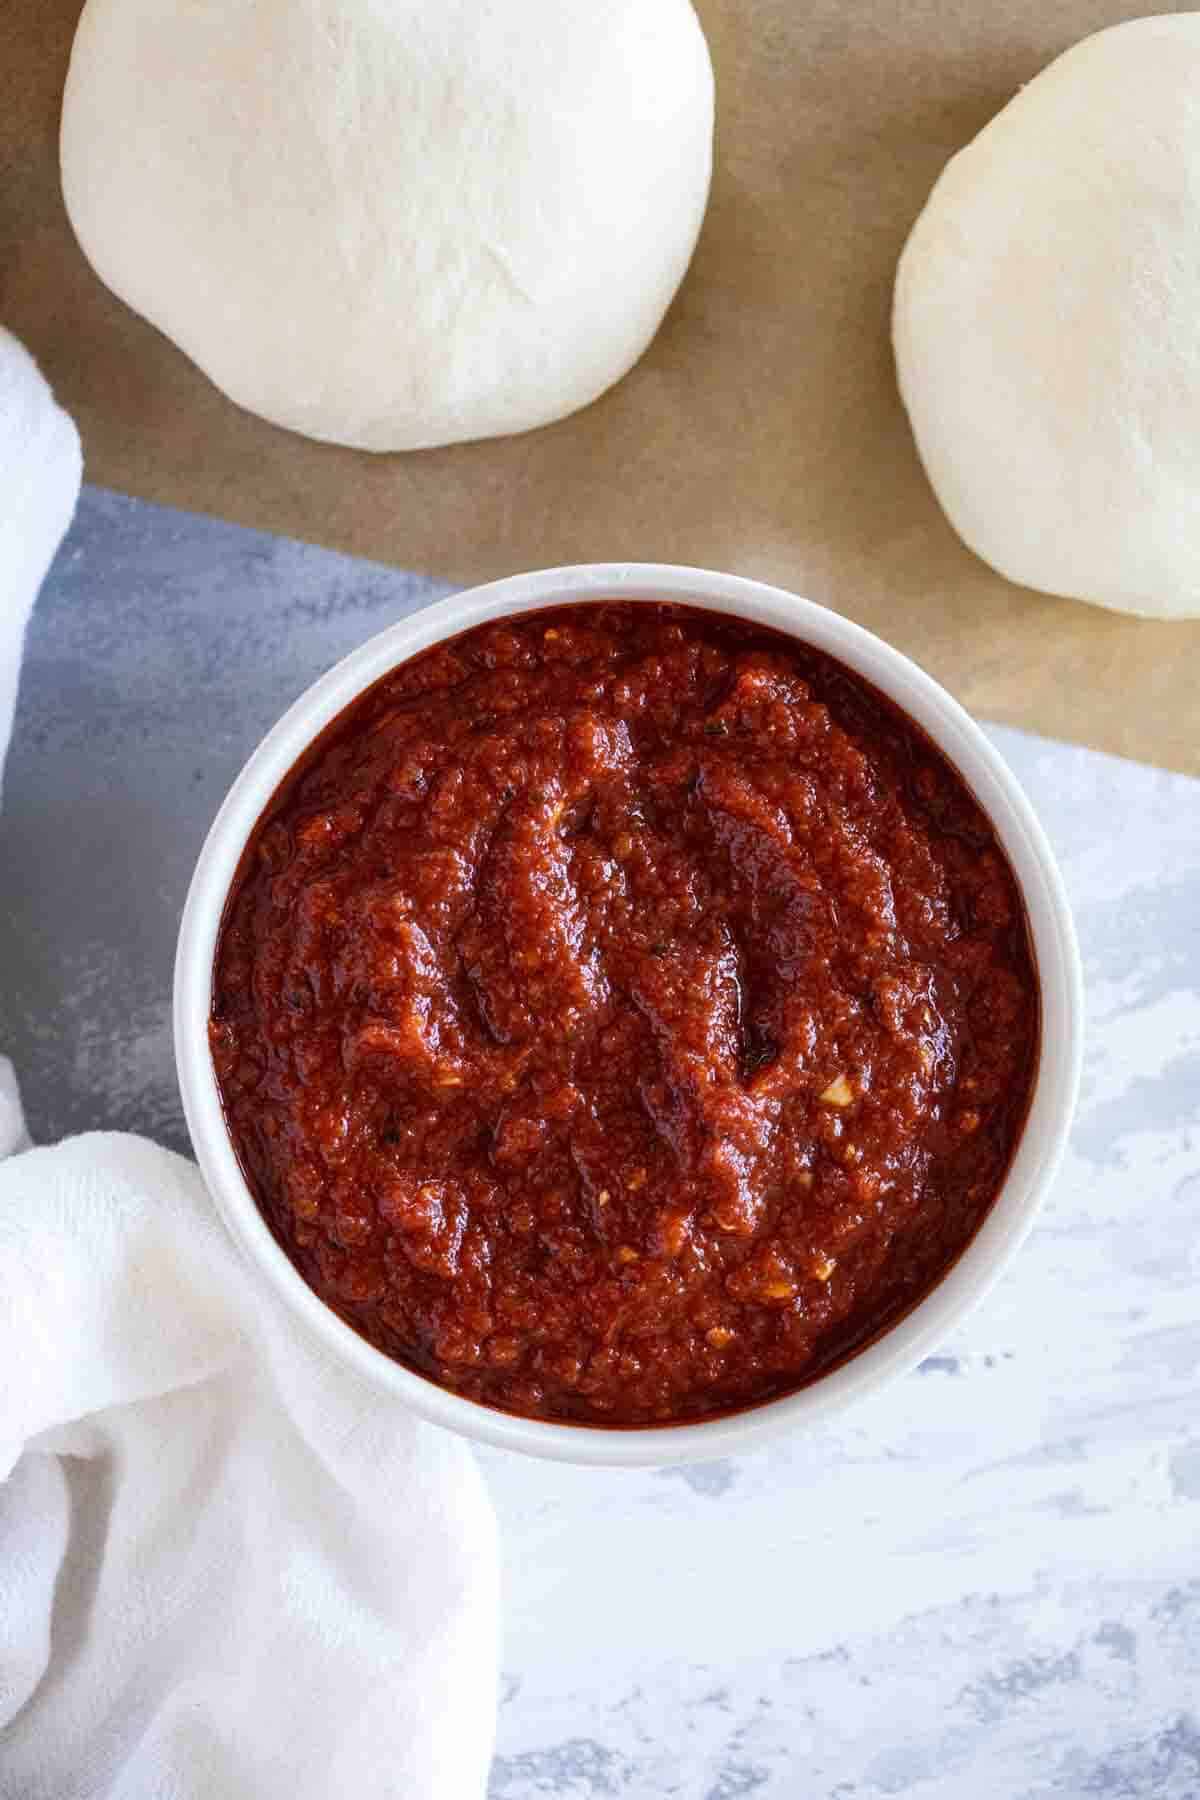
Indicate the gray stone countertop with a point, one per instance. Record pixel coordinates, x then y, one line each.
983 1586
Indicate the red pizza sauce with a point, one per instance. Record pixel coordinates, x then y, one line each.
623 1013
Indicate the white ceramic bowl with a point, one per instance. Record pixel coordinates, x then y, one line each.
1033 1167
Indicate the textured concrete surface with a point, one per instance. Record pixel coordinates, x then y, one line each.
983 1586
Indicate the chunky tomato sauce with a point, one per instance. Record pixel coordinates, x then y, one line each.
623 1013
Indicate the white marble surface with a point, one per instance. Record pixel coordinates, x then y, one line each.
983 1586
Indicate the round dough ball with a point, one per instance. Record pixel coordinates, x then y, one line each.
1047 326
393 223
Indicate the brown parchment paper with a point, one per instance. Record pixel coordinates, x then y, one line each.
762 433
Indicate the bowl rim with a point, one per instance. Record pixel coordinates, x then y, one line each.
899 1348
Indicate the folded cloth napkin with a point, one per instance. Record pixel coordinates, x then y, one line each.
227 1567
40 468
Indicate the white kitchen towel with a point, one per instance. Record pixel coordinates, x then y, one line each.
227 1567
40 468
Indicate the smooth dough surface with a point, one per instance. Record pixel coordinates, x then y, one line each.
1047 326
393 223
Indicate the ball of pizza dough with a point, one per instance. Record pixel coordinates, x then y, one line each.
393 223
1047 326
